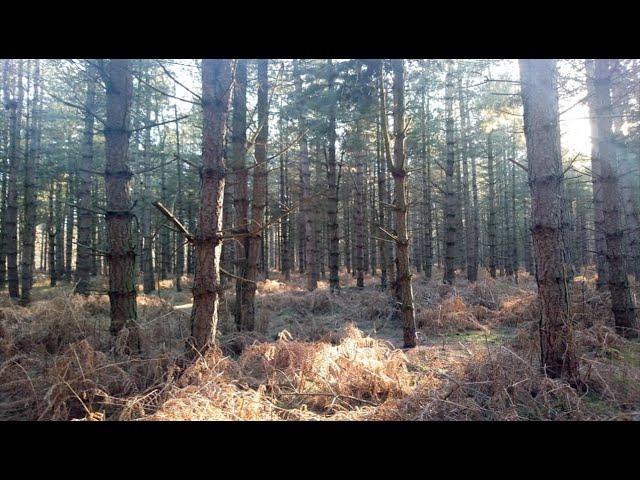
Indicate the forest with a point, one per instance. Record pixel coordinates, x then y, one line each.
319 239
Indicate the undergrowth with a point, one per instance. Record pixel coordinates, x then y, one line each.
316 356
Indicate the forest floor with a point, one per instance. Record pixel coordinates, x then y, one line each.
315 356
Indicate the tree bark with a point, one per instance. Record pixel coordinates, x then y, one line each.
602 266
68 249
30 204
178 208
6 146
120 240
332 194
51 235
491 224
259 196
305 179
403 290
14 105
450 203
358 218
83 250
621 301
216 85
542 134
148 275
240 191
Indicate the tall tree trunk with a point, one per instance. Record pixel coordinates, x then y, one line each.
165 264
403 290
346 231
216 85
358 218
148 275
305 179
96 257
621 300
318 221
491 224
14 105
6 148
332 194
602 266
507 250
30 166
51 234
178 208
426 188
121 256
68 249
514 237
243 310
450 204
259 196
385 246
83 249
464 147
542 134
59 220
285 222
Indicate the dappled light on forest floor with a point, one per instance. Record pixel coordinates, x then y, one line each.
315 356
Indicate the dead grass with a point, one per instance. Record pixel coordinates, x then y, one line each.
316 356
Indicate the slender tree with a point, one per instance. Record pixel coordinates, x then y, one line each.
403 287
259 195
450 192
491 224
305 185
332 185
542 134
14 105
30 166
216 86
621 300
243 309
120 239
83 249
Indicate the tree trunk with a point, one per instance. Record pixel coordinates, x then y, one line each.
259 196
6 135
403 290
243 310
385 247
148 275
358 218
332 194
216 85
450 203
14 105
514 224
68 249
59 221
426 189
596 178
285 222
469 231
83 249
30 204
178 208
491 224
51 234
542 134
621 300
120 240
305 179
